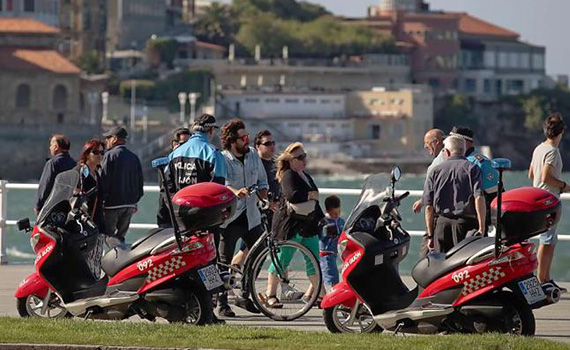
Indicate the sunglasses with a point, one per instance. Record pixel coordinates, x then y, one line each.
268 143
301 157
244 138
98 153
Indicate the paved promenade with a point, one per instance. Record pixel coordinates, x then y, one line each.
553 322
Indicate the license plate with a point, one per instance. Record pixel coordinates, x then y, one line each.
532 290
210 276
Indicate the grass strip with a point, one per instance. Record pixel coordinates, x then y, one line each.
79 332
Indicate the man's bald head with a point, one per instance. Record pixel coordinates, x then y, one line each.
433 141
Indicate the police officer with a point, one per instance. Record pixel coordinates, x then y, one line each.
163 220
454 194
197 160
490 175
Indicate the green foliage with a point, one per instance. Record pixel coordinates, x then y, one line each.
540 103
164 49
323 37
91 63
144 89
307 29
457 111
167 90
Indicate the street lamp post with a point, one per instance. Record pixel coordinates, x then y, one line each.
182 101
145 124
192 97
105 100
92 98
133 108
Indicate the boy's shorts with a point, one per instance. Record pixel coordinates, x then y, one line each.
549 237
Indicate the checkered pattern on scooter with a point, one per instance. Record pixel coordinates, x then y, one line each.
166 268
482 280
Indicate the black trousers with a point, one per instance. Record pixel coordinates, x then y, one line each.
448 232
239 228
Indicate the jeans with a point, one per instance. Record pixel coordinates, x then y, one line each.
329 246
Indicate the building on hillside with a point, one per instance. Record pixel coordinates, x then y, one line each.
390 122
358 73
37 84
185 11
45 11
373 123
84 28
457 52
130 23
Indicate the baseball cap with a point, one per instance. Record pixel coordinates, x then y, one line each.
463 132
206 121
118 131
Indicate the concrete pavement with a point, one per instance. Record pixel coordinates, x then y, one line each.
553 322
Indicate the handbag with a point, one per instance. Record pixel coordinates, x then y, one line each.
302 211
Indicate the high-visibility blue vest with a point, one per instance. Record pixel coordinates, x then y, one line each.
489 174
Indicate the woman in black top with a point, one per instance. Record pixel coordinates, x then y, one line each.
298 217
88 167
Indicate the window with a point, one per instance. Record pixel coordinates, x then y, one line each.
516 86
525 60
434 83
23 94
489 58
514 60
310 100
29 6
59 102
471 85
376 129
9 5
538 61
487 86
503 59
271 100
252 100
291 100
325 101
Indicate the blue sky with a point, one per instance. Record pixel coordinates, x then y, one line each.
541 22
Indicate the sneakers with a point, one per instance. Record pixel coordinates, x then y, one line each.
305 299
246 304
562 289
289 293
226 311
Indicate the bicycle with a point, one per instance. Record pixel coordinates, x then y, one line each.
252 279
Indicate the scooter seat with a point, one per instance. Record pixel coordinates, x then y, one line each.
145 236
436 265
116 259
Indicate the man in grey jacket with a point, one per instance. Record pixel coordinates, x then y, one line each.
244 169
122 177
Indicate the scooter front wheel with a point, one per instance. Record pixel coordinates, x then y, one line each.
34 306
343 319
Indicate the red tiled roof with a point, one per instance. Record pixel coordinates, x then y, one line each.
475 26
210 46
17 59
25 26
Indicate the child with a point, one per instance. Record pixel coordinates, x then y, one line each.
329 240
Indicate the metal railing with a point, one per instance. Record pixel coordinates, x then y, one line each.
4 222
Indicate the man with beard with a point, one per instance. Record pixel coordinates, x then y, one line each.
244 169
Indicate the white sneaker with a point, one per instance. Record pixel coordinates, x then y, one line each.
290 293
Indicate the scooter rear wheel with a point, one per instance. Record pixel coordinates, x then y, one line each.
337 320
31 306
517 316
198 307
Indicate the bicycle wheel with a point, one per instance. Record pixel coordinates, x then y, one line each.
296 276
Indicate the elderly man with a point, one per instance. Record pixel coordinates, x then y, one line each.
433 143
453 192
61 161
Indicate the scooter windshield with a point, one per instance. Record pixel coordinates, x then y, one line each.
375 189
63 188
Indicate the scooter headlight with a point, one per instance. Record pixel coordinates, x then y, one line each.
342 247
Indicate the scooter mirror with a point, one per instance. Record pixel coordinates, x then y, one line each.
23 224
396 174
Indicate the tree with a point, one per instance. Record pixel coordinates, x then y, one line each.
91 63
218 25
162 50
457 111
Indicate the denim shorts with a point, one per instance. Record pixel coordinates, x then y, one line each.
549 237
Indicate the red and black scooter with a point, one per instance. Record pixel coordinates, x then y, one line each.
166 273
483 284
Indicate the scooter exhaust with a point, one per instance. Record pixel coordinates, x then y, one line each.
552 294
230 281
